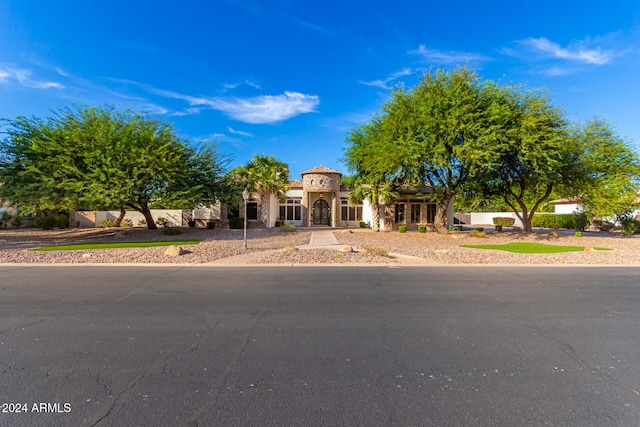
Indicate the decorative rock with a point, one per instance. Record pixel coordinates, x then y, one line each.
346 232
86 255
345 249
442 251
289 249
174 251
458 236
588 249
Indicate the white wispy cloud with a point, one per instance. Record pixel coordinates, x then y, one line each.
579 51
61 72
383 84
267 108
23 77
239 132
447 57
256 110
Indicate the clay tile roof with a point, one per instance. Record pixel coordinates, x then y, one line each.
321 169
294 183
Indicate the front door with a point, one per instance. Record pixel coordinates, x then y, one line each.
321 212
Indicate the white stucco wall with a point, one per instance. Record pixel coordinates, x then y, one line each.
486 218
567 208
207 212
93 218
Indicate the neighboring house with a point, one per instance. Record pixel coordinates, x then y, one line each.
565 206
320 200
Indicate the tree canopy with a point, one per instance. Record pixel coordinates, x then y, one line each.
95 158
499 144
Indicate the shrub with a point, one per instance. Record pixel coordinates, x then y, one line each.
126 223
363 224
578 234
422 229
402 229
498 228
211 225
375 250
580 222
630 226
62 221
108 223
17 222
5 217
288 227
236 223
192 223
504 221
479 228
142 222
605 226
170 231
553 220
45 223
279 223
477 233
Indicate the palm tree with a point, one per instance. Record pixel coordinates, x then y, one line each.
265 175
375 194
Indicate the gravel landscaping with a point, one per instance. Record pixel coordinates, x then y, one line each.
273 246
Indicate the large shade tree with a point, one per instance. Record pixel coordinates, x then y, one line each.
95 158
443 132
264 175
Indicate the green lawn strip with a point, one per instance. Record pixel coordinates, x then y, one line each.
117 245
532 248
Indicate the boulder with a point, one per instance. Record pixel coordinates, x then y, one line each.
174 251
346 249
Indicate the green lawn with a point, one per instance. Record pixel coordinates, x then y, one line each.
149 244
532 248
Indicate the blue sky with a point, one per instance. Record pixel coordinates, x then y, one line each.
289 78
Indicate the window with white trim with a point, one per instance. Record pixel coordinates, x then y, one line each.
350 212
291 210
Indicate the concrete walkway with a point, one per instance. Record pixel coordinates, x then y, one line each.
323 238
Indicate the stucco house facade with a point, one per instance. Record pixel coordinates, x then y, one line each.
320 200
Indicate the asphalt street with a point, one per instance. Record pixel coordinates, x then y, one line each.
312 346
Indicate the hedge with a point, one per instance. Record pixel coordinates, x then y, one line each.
553 220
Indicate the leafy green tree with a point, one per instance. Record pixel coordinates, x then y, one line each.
264 175
610 170
444 133
103 159
535 154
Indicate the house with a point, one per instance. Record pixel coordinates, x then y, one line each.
320 200
317 200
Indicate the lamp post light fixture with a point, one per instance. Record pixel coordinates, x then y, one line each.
245 196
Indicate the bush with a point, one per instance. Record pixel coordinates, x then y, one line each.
288 227
363 224
107 223
126 223
192 223
279 223
580 222
479 228
62 221
504 221
402 229
477 233
170 231
630 226
142 222
422 229
375 250
498 228
17 222
236 223
46 223
604 226
578 234
210 225
553 220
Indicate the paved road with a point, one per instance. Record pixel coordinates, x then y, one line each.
311 346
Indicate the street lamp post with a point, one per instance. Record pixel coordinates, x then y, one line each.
245 196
